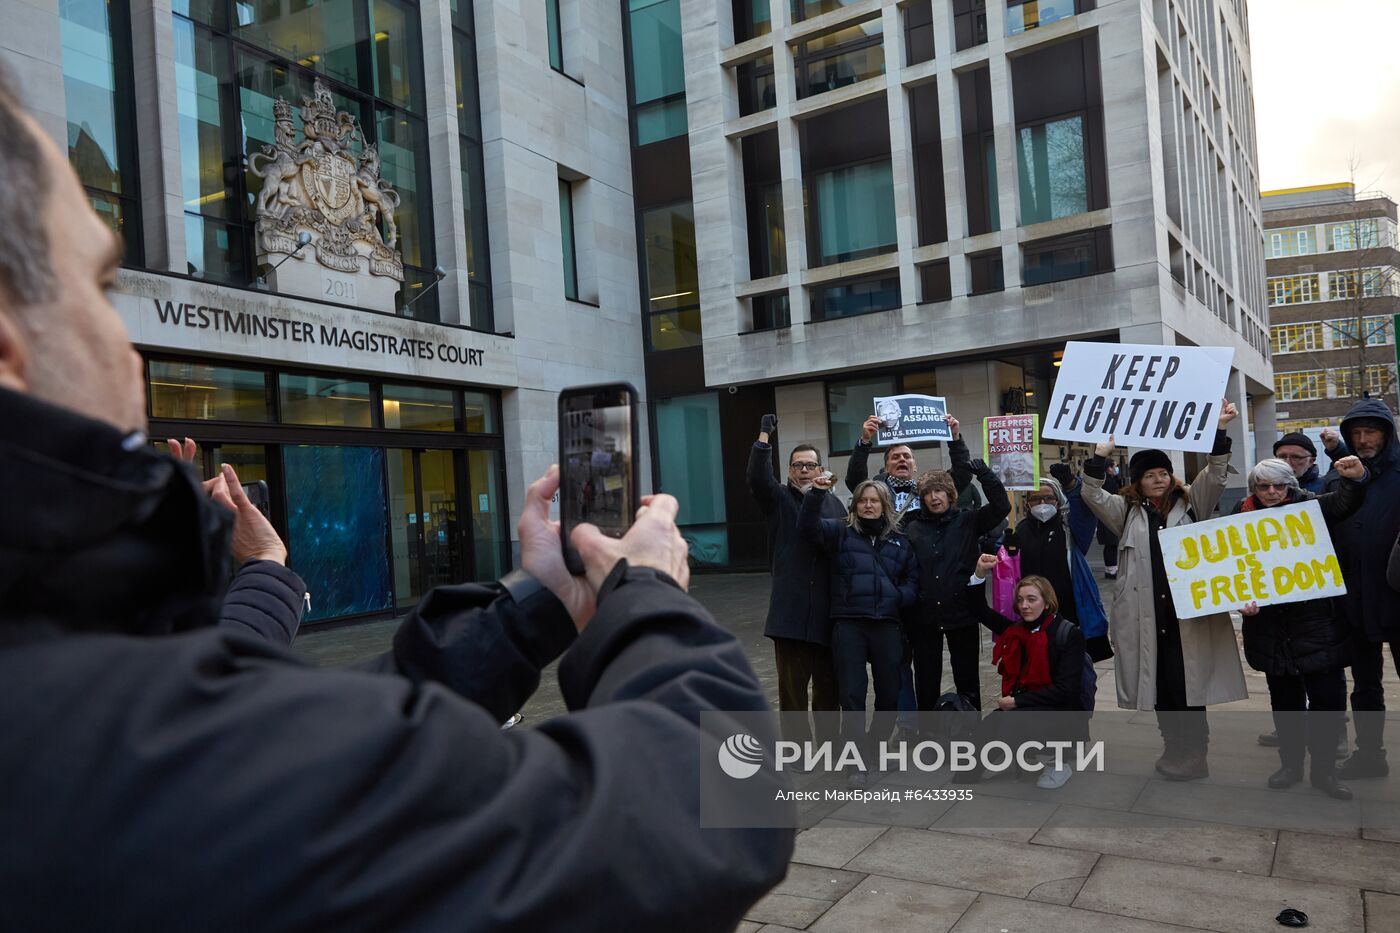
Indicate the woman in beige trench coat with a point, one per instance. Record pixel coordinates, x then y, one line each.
1177 667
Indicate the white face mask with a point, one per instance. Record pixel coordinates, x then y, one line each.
1044 513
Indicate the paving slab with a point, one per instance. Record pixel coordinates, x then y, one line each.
991 865
991 913
827 884
788 910
1161 838
913 813
1213 900
1089 789
774 928
832 843
1063 891
892 905
746 926
1365 863
1380 820
1382 912
1301 809
996 818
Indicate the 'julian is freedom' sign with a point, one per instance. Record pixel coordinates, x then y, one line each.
1143 395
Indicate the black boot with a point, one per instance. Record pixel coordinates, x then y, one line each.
1284 777
1364 763
1333 788
1191 766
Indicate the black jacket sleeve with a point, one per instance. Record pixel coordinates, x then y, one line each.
1222 443
762 484
960 463
908 577
975 597
858 468
998 504
1392 569
1067 675
821 532
264 599
1344 501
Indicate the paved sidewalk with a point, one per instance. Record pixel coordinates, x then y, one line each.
1121 851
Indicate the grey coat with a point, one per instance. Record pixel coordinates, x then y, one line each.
1208 646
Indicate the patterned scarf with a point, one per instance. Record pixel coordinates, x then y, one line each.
901 490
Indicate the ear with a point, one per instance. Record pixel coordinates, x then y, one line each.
14 354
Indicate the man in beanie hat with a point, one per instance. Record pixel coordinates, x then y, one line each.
1371 606
1298 451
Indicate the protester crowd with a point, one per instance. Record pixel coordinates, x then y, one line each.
909 569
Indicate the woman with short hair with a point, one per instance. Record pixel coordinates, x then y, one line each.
1302 648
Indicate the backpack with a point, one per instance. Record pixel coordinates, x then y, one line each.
1089 683
957 718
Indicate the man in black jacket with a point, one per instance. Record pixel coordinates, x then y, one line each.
1372 610
161 772
798 618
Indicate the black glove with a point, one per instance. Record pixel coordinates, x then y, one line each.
1063 474
1098 648
979 468
770 424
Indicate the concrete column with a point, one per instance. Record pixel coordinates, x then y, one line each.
1004 131
1263 418
158 134
31 46
901 156
445 160
790 161
1241 456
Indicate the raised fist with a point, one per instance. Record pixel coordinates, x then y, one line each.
770 424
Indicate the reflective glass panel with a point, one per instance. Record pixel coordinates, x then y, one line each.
669 237
658 60
488 511
194 391
419 408
1050 163
325 401
324 35
855 211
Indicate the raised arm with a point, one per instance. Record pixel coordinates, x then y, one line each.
1111 509
975 595
959 457
858 469
998 503
1344 501
763 485
265 599
821 532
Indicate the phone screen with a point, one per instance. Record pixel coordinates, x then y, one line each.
597 484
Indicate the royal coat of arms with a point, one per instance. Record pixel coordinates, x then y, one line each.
318 185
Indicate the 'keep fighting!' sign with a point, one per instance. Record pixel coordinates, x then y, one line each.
1145 396
1281 555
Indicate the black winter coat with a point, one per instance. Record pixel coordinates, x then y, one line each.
1362 541
162 772
946 547
798 603
1066 664
1305 637
871 578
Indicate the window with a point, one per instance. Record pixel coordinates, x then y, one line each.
979 152
840 57
771 312
852 298
1354 234
326 401
928 164
1300 386
1299 424
1293 289
969 23
566 232
935 281
757 88
752 18
482 411
1022 15
1342 285
806 9
918 31
1067 257
1379 331
985 273
763 202
556 33
95 36
671 279
1380 379
658 70
849 185
1293 241
196 392
473 169
688 453
419 408
1295 338
848 404
1060 164
1358 283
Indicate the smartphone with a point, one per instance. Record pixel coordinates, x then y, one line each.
258 495
597 462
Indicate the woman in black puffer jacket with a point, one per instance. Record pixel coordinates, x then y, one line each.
874 578
1302 648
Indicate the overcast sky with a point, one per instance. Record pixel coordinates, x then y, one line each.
1327 89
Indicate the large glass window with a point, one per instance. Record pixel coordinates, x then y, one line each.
1022 15
491 543
757 89
852 298
199 392
928 164
556 35
658 69
979 152
763 201
325 401
1295 241
1293 289
1295 338
855 211
918 31
473 169
1050 163
672 279
969 23
688 454
840 57
100 107
566 232
1354 234
1300 386
1066 257
1059 130
848 404
752 18
419 408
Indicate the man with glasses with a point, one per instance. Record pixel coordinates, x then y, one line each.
798 618
1299 452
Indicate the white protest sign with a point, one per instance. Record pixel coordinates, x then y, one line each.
1145 396
1279 555
911 419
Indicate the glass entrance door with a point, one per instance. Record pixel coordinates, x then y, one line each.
424 526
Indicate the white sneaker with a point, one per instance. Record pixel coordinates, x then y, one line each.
1052 778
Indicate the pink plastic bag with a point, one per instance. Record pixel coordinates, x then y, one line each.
1004 577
